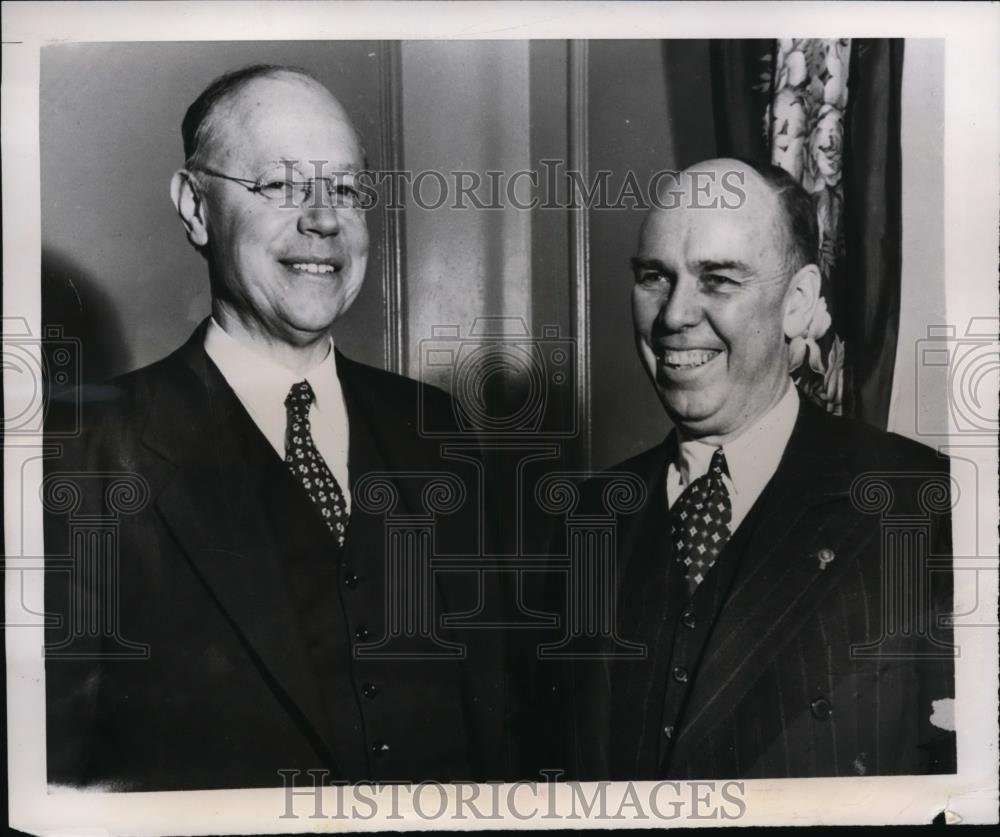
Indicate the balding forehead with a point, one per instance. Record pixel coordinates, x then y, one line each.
727 186
783 211
687 234
237 111
712 184
244 96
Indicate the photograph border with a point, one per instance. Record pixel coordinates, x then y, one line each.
971 208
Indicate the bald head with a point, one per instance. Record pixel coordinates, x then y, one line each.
229 99
763 190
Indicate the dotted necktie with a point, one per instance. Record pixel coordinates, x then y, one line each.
699 522
305 462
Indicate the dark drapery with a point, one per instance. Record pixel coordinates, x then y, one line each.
869 318
740 96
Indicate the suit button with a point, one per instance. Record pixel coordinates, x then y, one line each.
369 690
668 732
380 748
821 709
361 633
352 580
680 674
688 619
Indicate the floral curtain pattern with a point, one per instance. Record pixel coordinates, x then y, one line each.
804 126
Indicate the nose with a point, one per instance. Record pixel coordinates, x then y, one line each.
319 214
681 305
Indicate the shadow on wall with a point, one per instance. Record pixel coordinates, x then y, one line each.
73 301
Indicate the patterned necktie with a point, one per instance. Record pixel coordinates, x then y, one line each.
306 463
699 522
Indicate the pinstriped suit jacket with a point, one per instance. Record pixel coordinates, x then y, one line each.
810 670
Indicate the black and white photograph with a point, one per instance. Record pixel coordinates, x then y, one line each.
545 415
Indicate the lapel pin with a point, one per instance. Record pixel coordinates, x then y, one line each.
825 557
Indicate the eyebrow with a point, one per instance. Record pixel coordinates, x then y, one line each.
710 265
638 263
702 266
301 165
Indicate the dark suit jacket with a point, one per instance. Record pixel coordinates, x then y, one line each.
784 687
204 549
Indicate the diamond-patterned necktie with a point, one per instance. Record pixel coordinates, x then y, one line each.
308 466
699 522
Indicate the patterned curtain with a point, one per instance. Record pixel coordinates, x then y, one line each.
804 123
828 113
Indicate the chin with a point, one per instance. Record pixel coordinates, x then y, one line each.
689 407
316 314
697 423
694 427
304 325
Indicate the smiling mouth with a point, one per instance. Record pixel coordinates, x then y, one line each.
686 358
314 268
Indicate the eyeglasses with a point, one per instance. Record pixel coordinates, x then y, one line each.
296 194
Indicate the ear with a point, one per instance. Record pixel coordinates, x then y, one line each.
800 300
190 206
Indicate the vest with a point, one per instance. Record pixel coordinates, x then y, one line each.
389 718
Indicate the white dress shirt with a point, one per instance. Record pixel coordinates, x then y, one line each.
262 386
752 457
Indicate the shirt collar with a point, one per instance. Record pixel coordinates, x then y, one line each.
259 380
752 457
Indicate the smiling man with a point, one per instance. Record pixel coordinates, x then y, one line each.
253 579
755 571
718 291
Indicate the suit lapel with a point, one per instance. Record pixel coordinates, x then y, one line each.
380 431
651 468
207 494
804 508
645 555
604 691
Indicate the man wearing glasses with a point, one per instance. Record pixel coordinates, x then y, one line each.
258 575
